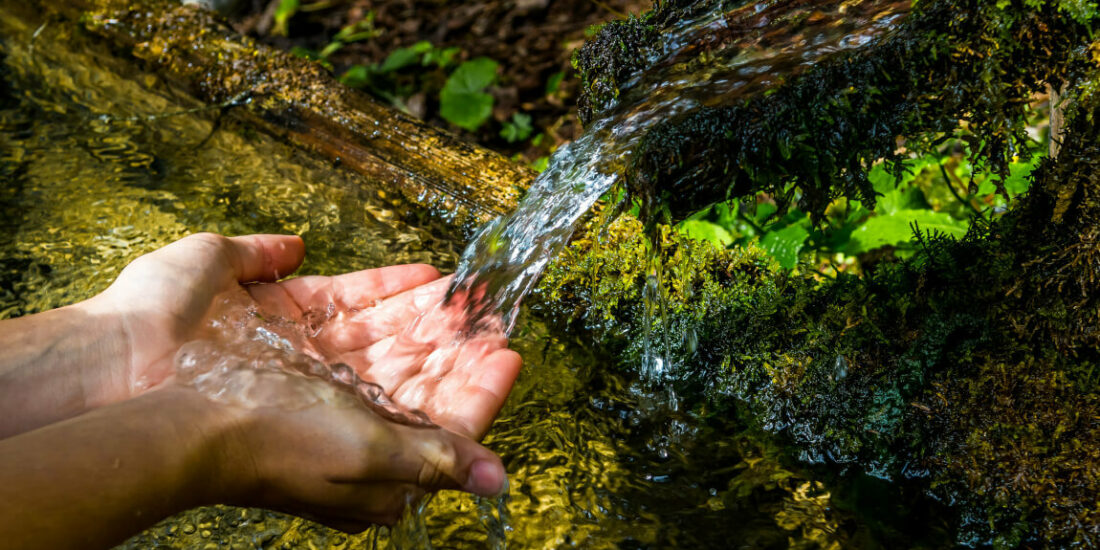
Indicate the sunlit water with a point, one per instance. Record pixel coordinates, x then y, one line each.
595 459
717 59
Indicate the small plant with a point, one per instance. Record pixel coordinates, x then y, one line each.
463 101
385 80
288 8
363 30
517 129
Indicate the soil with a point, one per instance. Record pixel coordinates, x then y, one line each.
532 40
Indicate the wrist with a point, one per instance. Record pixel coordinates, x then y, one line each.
105 346
58 364
217 468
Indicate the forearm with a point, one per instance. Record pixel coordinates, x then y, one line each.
94 480
51 366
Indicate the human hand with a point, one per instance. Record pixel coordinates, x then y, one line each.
415 347
161 300
332 460
338 463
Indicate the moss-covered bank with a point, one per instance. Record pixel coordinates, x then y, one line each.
819 130
971 368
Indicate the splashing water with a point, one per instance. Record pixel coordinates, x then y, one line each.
718 59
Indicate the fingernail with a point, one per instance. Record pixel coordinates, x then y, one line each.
486 479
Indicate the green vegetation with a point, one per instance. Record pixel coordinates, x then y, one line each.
939 193
463 101
814 138
517 129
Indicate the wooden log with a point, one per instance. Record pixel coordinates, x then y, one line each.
300 101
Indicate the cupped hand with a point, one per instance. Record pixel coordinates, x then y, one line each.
162 298
342 465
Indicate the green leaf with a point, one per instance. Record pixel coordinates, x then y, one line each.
896 229
403 57
361 30
896 193
472 76
1019 175
785 244
540 164
706 231
286 10
442 58
357 76
518 129
462 101
553 84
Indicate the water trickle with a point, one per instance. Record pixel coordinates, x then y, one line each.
494 516
411 532
250 358
717 59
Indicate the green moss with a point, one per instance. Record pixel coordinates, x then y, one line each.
617 51
976 60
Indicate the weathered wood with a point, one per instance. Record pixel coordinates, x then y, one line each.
299 100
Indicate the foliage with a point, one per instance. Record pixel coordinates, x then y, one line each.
463 101
363 30
518 129
923 199
283 13
968 368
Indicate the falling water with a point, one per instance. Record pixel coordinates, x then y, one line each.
718 59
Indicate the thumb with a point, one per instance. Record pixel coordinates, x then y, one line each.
435 459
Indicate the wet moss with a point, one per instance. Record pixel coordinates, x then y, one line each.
976 61
608 59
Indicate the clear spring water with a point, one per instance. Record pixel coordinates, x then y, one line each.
596 459
717 59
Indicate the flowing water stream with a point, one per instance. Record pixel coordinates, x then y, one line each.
720 58
596 458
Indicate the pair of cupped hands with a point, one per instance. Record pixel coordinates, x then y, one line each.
342 465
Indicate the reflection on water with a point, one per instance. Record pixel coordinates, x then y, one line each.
595 459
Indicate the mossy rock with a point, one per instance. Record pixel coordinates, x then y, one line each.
978 61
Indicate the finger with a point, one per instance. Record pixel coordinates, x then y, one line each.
360 289
475 396
435 459
274 301
264 258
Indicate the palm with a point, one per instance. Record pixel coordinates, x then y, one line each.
460 385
